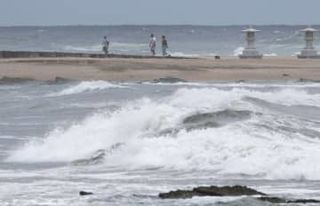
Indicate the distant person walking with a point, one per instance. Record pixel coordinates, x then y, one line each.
153 44
164 44
105 45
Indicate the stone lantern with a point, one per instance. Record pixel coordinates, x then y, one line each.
250 52
309 51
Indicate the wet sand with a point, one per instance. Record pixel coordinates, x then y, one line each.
129 69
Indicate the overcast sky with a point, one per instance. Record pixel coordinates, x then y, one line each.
203 12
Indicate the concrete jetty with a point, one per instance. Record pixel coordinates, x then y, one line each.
36 54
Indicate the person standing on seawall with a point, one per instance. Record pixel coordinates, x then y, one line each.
164 44
153 44
105 45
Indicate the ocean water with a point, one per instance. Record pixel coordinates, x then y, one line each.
183 40
127 142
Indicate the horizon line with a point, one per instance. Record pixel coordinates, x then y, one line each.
149 25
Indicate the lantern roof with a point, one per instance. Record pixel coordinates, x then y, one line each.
309 29
250 29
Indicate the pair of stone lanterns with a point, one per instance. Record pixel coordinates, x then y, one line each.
250 52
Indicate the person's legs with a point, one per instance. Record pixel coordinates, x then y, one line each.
164 51
105 50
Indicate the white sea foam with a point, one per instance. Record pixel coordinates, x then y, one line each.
238 148
181 54
113 46
87 86
270 55
92 48
238 51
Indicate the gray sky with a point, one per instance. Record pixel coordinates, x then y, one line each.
203 12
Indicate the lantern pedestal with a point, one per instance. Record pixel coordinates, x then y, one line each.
309 51
250 52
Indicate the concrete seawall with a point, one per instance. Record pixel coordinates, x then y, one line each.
36 54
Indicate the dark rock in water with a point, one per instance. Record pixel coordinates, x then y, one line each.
237 190
215 119
303 201
14 80
275 200
227 191
168 80
84 193
210 191
179 194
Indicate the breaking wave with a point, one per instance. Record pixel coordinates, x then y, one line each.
226 131
238 51
181 54
114 46
86 87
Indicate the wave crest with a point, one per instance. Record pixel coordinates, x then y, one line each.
87 86
259 146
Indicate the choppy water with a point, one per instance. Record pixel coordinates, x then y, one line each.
126 142
183 40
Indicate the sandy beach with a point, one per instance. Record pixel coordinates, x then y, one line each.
129 69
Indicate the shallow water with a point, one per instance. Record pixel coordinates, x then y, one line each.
126 142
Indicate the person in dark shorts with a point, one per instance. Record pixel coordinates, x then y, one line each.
164 44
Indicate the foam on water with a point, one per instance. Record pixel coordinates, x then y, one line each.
93 48
181 54
238 51
270 55
114 46
247 147
85 87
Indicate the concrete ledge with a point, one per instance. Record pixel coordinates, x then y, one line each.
33 54
308 57
250 57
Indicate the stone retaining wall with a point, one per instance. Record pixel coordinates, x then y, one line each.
31 54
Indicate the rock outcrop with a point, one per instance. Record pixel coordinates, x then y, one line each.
210 191
277 200
84 193
237 190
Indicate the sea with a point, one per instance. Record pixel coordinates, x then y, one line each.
126 142
183 40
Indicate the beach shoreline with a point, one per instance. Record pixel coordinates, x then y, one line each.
146 69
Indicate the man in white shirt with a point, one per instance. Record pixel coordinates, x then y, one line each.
153 44
105 45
